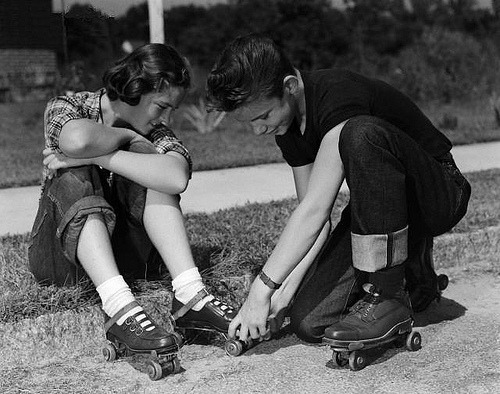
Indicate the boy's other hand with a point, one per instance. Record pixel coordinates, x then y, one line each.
251 320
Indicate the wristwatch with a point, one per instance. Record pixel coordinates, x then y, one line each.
268 281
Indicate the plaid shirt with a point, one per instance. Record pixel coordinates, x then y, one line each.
86 105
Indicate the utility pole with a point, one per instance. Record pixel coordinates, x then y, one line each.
64 35
156 29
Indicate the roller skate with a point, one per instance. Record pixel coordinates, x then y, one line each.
214 317
422 282
372 322
140 335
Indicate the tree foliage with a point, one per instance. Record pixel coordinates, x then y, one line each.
438 40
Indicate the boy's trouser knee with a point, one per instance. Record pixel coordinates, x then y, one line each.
329 287
66 202
395 185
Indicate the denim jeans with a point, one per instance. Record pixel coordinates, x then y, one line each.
399 197
66 202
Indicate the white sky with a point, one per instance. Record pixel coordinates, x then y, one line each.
119 7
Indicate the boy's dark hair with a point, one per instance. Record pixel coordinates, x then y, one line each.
249 68
144 71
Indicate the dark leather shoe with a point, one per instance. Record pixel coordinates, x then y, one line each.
372 317
139 332
215 315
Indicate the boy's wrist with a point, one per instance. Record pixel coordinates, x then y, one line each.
261 291
268 281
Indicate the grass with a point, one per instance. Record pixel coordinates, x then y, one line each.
21 145
229 247
231 145
471 122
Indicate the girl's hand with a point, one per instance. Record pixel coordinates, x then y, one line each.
251 320
54 161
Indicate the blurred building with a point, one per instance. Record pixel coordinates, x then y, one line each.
30 42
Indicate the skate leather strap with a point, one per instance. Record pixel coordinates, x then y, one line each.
184 309
120 313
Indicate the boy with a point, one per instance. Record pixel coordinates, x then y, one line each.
404 186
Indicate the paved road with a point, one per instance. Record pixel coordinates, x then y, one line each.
461 335
460 353
210 191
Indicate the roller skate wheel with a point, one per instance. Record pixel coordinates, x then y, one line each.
155 371
176 365
338 359
233 347
443 281
413 341
109 352
171 367
356 361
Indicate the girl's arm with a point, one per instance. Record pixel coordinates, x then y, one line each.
84 138
301 232
85 142
166 173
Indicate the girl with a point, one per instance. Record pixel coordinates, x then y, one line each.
110 201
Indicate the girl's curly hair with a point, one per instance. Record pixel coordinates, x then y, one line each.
145 70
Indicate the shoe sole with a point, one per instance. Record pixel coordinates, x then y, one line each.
399 329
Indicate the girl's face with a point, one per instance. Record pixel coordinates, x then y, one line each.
268 116
154 108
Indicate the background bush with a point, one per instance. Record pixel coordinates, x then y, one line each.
432 49
445 64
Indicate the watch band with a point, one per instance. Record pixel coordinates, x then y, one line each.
268 281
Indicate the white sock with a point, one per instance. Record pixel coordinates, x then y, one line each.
187 285
116 294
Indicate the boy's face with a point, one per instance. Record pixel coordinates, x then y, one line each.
155 107
267 116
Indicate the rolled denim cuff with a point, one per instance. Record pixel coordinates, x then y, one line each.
71 225
373 252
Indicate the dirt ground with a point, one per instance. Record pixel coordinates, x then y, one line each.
460 353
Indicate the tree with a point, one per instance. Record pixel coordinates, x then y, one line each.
87 32
90 45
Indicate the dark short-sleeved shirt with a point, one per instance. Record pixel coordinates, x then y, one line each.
335 95
86 105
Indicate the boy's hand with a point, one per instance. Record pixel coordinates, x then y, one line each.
279 307
54 161
251 320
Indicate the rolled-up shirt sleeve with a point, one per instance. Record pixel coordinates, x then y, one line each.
165 141
58 112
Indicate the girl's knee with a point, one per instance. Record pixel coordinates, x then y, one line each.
68 200
73 184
